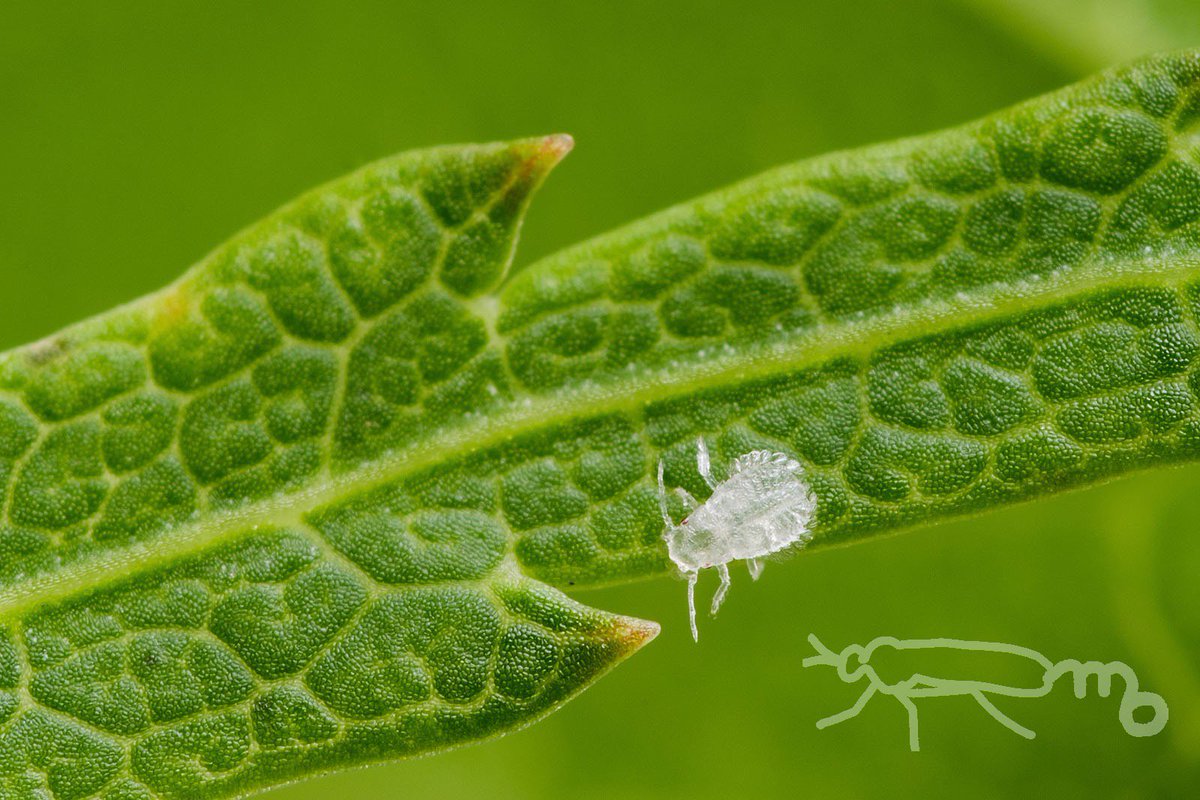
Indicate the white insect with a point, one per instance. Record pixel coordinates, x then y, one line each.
763 507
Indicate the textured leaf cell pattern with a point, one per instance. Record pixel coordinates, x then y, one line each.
313 504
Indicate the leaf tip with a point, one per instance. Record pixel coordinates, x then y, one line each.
554 148
632 634
539 156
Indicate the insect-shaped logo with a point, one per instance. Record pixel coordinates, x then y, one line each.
763 507
854 664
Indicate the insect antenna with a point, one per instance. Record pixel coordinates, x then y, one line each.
662 497
824 654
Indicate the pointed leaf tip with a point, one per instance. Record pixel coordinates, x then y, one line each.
556 146
633 634
544 154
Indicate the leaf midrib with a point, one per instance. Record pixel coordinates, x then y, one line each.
788 353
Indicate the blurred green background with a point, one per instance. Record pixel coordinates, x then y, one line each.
135 136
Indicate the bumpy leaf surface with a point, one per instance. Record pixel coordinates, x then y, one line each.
306 507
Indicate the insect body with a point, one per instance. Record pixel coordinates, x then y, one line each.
763 507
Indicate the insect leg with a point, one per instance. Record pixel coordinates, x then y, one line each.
719 597
686 496
703 463
755 565
852 711
914 738
662 497
692 603
1001 717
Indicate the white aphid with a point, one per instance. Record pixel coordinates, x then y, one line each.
763 507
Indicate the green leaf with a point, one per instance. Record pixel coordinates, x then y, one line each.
305 508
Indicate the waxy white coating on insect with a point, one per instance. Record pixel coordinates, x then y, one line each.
764 506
